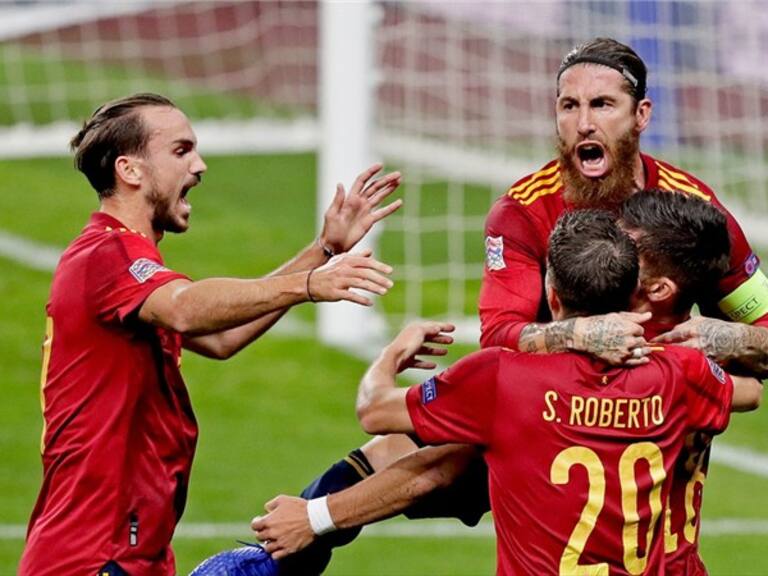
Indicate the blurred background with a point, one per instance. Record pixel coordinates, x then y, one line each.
288 98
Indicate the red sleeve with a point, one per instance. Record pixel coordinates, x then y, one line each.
510 296
122 272
458 404
709 393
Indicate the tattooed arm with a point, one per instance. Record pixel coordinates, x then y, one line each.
610 337
741 348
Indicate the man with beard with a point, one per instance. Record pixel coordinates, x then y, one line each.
601 111
119 432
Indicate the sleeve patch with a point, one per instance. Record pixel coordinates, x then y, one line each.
494 252
428 391
751 264
716 370
143 269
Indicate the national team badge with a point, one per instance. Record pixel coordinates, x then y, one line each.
428 391
494 253
143 269
717 371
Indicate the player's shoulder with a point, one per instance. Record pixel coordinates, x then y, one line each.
534 200
670 177
540 186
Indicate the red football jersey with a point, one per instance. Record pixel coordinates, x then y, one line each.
580 455
517 236
119 432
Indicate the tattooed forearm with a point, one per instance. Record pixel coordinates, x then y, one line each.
603 334
552 337
740 347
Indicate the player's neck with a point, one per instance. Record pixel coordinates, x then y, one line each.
665 314
133 215
638 172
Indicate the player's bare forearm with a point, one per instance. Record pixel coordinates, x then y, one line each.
552 337
741 348
286 528
225 344
381 406
218 304
399 485
611 337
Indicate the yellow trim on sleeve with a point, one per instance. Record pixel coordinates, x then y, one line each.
749 301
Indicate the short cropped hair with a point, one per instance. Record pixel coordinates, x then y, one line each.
682 237
592 263
614 54
114 129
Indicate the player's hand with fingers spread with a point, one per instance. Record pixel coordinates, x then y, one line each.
616 338
351 215
334 280
286 528
412 342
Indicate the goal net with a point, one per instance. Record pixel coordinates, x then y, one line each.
458 96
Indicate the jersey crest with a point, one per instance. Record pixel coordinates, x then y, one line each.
494 252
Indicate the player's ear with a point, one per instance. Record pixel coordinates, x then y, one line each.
643 114
661 289
553 301
128 170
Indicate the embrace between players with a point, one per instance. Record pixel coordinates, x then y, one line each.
596 461
595 454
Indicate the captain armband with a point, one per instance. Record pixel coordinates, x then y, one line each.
749 301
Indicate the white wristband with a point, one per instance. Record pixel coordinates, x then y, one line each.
319 516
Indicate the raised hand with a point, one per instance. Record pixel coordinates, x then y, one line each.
334 280
351 215
412 342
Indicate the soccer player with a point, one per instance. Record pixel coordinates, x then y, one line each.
672 273
119 432
580 453
601 111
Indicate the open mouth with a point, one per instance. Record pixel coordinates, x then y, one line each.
592 160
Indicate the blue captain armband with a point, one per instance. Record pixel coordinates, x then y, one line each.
749 301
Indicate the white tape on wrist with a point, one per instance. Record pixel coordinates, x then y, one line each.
319 516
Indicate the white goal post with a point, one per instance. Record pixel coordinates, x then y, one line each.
456 95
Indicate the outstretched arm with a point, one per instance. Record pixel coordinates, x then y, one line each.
741 348
287 528
348 219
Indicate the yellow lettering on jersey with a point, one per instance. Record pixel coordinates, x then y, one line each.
550 396
619 413
577 406
47 344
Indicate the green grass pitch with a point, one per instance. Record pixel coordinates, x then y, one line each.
280 412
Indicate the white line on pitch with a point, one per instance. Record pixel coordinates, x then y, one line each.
29 253
711 528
